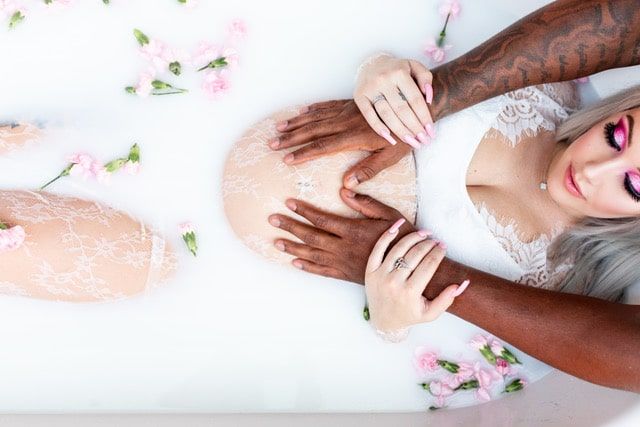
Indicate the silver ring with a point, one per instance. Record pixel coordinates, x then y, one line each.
400 263
378 97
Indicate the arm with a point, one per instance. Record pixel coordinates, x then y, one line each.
596 340
561 41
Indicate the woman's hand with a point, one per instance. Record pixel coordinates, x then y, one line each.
394 283
396 91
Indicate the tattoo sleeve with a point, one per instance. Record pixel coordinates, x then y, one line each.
562 41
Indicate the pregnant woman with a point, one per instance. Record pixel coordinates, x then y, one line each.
73 250
502 184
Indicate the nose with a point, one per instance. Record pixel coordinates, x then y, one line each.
595 171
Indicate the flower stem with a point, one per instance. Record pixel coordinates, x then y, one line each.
443 33
51 182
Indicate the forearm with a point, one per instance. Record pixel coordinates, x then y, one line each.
593 339
561 41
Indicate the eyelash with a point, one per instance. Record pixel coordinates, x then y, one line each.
608 134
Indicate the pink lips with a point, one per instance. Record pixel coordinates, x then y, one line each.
570 183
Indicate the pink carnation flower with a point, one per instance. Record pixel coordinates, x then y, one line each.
425 361
215 83
144 86
449 7
205 52
440 391
435 52
496 346
465 371
478 342
502 366
11 238
238 29
87 167
132 168
485 381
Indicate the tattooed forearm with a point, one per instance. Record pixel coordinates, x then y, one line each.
561 41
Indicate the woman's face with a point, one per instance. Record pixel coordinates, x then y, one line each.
598 175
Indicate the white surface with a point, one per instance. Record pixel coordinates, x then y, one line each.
244 335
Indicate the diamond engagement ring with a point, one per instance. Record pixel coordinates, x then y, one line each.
400 263
377 98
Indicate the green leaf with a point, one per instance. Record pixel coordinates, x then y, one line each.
365 313
175 68
141 37
449 366
488 354
514 385
510 357
468 385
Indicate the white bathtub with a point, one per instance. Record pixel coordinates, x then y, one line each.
235 334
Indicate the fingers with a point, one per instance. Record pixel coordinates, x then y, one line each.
418 116
423 78
321 270
328 104
440 304
302 135
405 116
370 115
308 234
319 148
324 221
423 273
300 250
400 249
373 164
377 253
390 118
306 118
368 206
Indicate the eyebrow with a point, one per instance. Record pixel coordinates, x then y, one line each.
630 118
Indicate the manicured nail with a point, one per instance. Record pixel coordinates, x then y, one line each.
352 181
422 137
273 220
280 246
423 233
396 226
461 288
297 264
428 93
443 245
411 141
291 205
430 130
288 158
387 135
274 143
282 125
350 194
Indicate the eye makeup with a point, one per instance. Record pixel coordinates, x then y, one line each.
616 134
632 185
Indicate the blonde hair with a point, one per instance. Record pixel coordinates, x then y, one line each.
605 252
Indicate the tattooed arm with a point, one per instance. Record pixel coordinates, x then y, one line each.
561 41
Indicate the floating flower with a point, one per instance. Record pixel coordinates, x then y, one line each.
11 238
485 380
496 346
130 164
439 390
425 361
436 52
480 343
189 236
515 385
215 83
502 367
237 29
449 9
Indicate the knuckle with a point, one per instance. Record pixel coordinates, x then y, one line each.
366 172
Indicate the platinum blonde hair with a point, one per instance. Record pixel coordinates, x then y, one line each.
605 252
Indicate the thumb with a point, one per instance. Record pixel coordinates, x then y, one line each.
423 78
368 206
440 304
369 167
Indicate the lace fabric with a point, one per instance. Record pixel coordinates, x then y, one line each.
76 250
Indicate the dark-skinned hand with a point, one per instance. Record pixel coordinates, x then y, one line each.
334 126
333 245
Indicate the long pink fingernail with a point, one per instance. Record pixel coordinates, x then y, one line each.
396 226
428 93
430 130
422 137
461 288
387 135
423 233
411 141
